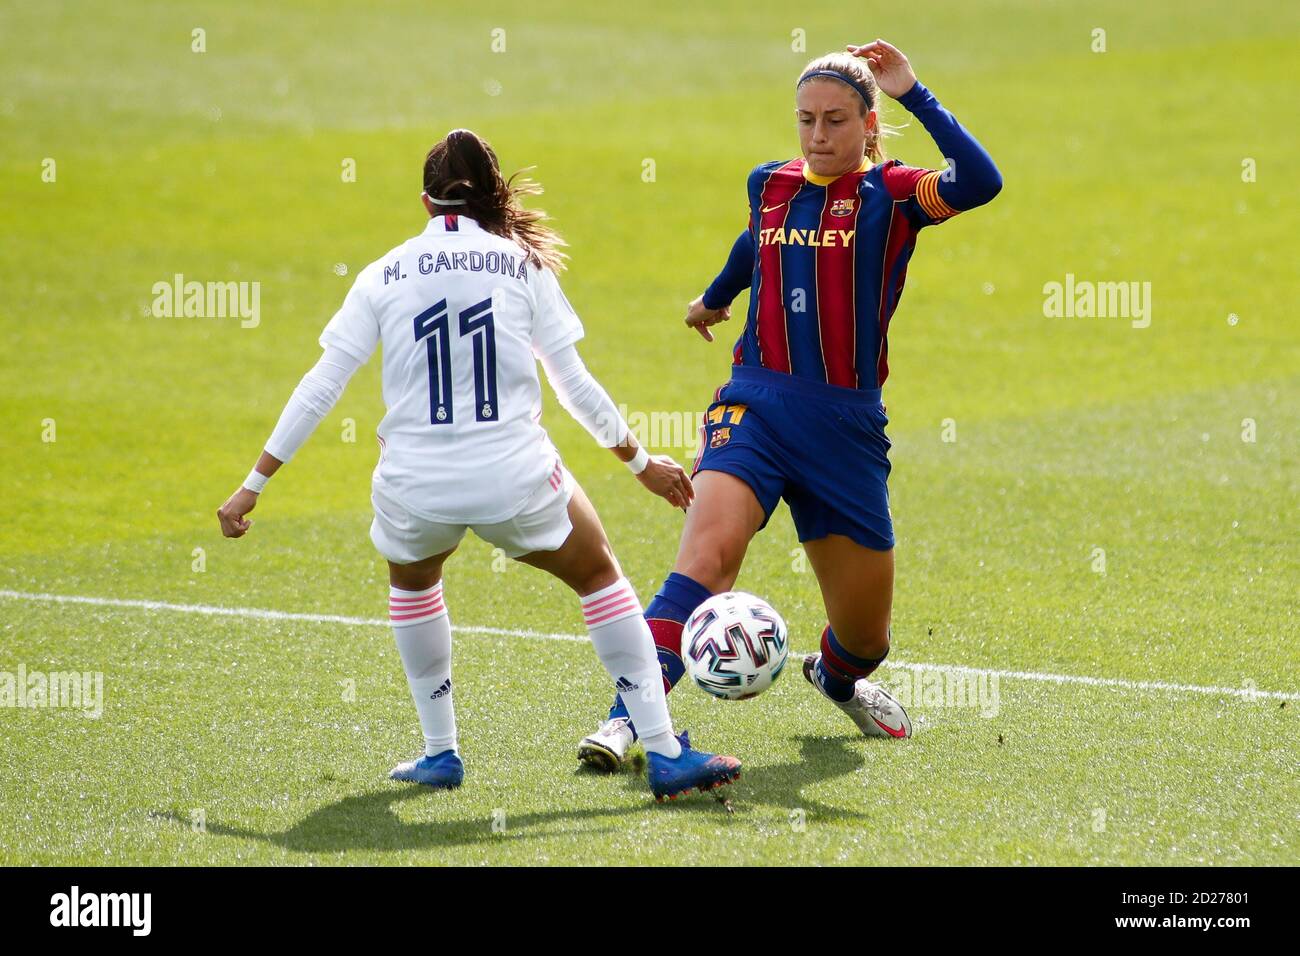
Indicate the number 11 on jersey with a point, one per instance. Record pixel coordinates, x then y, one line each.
434 327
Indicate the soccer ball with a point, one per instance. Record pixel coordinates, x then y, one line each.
734 645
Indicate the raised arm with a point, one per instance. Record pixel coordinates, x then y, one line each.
974 179
311 401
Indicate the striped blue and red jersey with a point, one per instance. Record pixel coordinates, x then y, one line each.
826 259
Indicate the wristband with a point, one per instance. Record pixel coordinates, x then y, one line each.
256 481
639 461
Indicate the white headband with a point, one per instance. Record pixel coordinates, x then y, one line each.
443 202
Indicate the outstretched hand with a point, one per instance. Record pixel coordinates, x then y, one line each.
888 65
699 317
668 480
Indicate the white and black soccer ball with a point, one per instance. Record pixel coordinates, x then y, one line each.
734 645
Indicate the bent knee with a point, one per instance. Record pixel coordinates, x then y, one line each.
599 571
716 565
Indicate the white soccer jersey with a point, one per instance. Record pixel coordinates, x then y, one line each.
463 316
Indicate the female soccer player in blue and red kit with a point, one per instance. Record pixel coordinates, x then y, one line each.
824 257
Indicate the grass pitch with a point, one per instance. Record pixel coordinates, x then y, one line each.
1074 498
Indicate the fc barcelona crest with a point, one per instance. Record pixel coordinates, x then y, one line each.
842 207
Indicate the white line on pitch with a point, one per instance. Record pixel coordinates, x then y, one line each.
1244 693
263 614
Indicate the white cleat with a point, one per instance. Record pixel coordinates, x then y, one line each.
607 748
871 707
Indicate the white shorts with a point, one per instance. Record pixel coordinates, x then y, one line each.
542 524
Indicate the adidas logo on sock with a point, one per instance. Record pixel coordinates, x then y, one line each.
442 691
625 686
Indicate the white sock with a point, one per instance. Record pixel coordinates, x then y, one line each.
624 645
423 631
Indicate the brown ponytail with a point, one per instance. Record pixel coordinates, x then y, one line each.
463 166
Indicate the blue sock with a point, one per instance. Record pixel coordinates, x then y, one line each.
666 614
838 670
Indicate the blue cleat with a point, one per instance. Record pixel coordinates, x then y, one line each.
693 769
443 771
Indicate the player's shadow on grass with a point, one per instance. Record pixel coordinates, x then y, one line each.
368 821
780 786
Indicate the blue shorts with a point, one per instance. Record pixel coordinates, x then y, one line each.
820 447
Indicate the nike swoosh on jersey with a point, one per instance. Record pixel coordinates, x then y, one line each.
771 208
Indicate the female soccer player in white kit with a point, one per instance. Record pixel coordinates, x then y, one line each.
464 310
